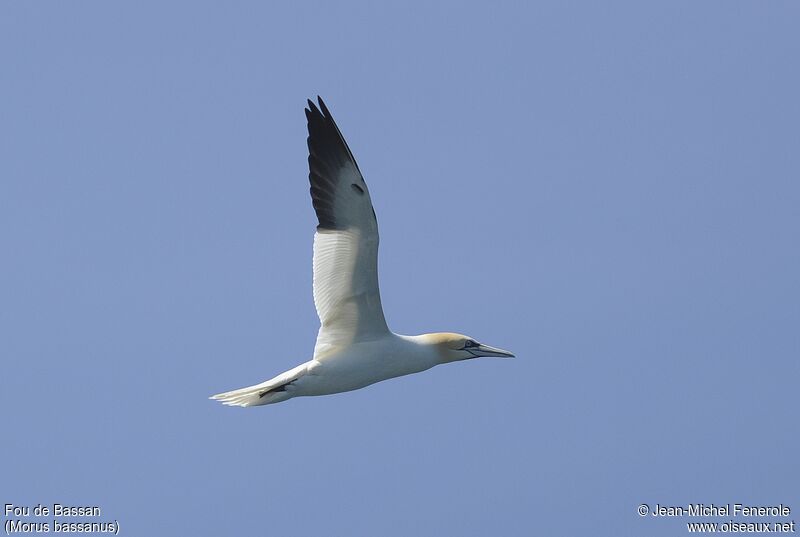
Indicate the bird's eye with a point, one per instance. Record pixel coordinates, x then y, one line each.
470 343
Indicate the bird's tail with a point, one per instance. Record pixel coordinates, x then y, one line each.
250 396
274 390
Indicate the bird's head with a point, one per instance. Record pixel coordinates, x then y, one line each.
455 347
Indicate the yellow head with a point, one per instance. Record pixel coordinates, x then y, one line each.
454 347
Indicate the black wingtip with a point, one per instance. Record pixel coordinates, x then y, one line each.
323 107
320 108
328 155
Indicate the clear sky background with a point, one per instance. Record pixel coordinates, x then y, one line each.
609 189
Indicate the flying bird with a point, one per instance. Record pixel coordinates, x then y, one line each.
354 347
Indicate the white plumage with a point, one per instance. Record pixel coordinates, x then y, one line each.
355 347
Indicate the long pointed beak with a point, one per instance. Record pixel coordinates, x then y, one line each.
486 350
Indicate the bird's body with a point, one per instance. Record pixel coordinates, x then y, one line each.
355 347
368 362
350 368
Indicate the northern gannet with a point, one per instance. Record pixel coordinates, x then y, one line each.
354 346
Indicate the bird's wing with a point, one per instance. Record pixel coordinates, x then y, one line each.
346 242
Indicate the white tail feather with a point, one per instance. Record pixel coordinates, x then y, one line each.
257 394
250 396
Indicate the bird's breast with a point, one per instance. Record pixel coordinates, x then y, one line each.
362 364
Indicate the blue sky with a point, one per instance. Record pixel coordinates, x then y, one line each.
610 190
